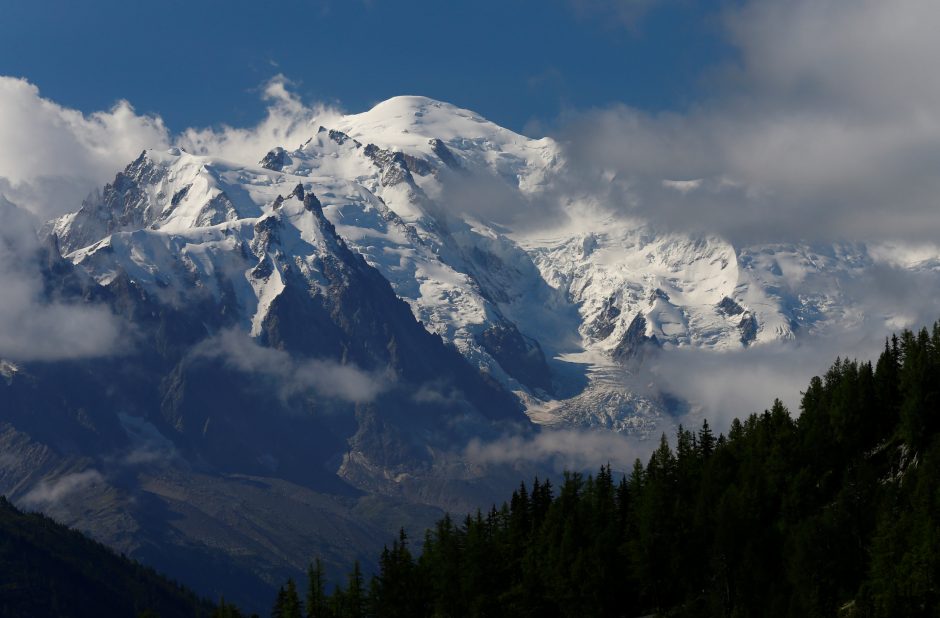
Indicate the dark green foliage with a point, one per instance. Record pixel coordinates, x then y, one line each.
395 592
836 512
316 604
46 569
287 604
226 610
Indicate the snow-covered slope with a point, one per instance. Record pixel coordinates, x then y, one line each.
562 313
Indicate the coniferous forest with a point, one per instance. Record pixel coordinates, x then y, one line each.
47 569
834 511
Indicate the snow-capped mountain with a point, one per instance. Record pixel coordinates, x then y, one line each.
560 311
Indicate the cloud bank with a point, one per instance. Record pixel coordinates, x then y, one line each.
827 127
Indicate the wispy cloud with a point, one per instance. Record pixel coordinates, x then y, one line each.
148 446
33 324
293 376
559 450
49 492
288 122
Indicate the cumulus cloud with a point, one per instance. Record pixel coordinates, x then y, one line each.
51 491
560 449
53 156
293 376
288 123
827 127
35 325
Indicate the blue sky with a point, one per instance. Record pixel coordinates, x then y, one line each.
201 62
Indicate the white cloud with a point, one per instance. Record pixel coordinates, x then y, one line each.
866 55
561 449
293 376
52 491
53 156
288 123
33 324
827 128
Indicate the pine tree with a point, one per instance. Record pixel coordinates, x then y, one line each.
316 597
280 604
706 440
355 598
226 610
395 591
288 603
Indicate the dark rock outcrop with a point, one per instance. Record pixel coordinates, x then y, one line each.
397 167
518 355
635 343
276 159
439 148
606 320
748 328
729 307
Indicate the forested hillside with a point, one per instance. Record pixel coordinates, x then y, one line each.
46 569
833 511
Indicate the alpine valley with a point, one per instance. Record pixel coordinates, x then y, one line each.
313 341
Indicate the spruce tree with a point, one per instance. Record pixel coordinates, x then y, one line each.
316 597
